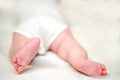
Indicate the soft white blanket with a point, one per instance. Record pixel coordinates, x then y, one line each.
95 24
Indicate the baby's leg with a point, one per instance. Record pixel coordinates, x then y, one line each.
70 50
23 50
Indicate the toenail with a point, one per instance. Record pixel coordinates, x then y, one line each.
103 67
15 65
104 73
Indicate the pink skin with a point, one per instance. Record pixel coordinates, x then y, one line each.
88 67
25 54
71 51
64 45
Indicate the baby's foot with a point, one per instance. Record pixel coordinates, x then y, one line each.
89 68
24 56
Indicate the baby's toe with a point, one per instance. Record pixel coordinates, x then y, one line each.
20 69
15 65
104 73
14 60
103 67
100 70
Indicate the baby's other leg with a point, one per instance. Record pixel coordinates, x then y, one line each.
70 50
23 50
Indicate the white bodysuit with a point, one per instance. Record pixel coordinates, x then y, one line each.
46 26
42 19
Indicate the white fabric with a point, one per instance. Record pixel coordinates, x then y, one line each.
45 27
96 23
40 19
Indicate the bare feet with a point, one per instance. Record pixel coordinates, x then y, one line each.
24 56
88 67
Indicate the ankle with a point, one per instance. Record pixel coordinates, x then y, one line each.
76 52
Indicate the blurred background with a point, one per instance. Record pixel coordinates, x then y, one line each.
95 24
